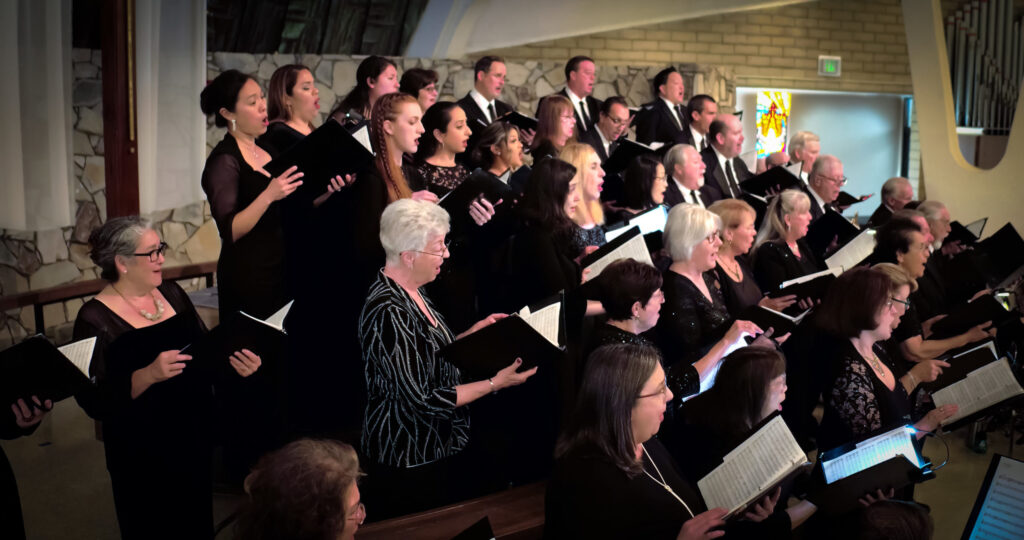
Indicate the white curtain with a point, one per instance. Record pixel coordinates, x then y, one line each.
171 71
35 103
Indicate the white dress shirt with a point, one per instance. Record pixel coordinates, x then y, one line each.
484 105
691 196
580 105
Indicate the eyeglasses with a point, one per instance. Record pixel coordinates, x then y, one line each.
568 117
660 392
358 514
894 301
837 181
619 121
712 237
444 250
155 254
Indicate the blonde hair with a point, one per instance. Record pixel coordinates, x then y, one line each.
732 211
688 225
774 226
577 155
897 276
798 141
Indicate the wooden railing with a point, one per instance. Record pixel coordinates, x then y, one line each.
516 513
69 291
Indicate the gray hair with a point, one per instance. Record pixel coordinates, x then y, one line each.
675 156
798 141
891 186
407 225
688 225
117 237
822 164
774 227
931 209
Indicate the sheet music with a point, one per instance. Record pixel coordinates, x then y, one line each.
795 168
635 249
545 321
872 452
615 233
853 252
749 158
976 227
981 388
80 353
650 221
363 136
277 319
754 466
655 145
809 277
1002 514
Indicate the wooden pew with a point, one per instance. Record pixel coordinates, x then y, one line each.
516 513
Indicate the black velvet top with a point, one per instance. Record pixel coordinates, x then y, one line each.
690 324
775 263
742 294
683 379
250 270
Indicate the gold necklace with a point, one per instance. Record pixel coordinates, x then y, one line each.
733 273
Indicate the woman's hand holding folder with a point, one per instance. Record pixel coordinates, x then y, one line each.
26 416
283 185
245 362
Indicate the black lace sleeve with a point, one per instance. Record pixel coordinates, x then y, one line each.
853 398
220 183
109 392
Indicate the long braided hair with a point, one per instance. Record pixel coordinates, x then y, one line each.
388 107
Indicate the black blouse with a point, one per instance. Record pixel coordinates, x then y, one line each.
544 149
742 294
775 263
683 379
279 137
411 418
581 238
439 180
858 403
250 271
690 324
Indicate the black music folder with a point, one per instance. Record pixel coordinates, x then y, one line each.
963 361
769 318
488 186
812 286
35 367
1003 256
330 150
830 225
625 152
999 509
536 334
969 315
776 178
520 120
265 338
845 199
766 458
889 460
959 233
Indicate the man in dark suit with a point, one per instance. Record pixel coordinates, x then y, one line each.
701 111
664 119
725 169
482 105
685 170
613 119
823 184
896 193
580 74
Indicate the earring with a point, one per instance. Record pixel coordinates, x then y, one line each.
234 125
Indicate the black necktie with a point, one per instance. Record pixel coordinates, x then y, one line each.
704 143
679 116
586 117
734 189
491 111
693 193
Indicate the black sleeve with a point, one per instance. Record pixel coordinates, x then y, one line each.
110 391
220 183
647 126
769 267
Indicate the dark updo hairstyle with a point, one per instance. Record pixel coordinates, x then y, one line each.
358 98
438 117
892 520
852 301
416 79
602 421
544 196
495 134
117 237
734 405
297 492
892 239
625 282
222 92
638 183
282 82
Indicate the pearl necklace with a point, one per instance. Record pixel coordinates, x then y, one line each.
662 481
147 315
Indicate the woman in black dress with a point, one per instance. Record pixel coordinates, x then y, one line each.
447 133
589 215
556 124
643 187
22 421
734 274
293 102
421 84
612 476
243 197
376 76
780 253
696 327
154 402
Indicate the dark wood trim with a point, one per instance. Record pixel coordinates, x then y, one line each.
121 159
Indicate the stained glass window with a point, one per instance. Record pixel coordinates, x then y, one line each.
772 121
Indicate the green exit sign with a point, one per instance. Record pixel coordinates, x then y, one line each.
830 66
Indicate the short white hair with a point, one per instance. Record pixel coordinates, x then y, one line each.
892 186
800 140
931 209
407 225
675 155
688 225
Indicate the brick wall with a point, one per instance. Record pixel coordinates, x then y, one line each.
775 47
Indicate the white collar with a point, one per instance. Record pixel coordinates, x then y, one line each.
721 160
482 102
806 178
685 190
572 95
821 202
697 138
607 144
